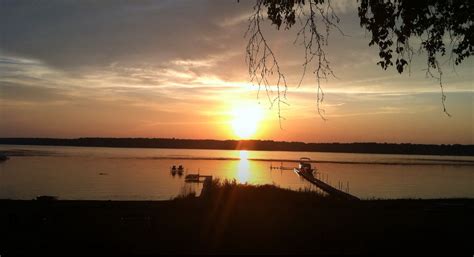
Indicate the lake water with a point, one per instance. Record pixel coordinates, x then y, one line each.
95 173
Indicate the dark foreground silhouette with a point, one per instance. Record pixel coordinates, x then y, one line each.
238 219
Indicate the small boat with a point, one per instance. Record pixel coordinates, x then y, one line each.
180 170
304 167
3 158
173 170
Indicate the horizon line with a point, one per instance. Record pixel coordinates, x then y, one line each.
236 140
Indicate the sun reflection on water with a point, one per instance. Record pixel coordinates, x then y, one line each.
244 155
243 173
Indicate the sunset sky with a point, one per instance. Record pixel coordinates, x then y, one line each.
177 69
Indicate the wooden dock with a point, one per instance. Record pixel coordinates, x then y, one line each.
196 178
325 187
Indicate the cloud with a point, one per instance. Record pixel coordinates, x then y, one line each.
159 64
81 34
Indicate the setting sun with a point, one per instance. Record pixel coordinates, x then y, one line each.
246 119
199 127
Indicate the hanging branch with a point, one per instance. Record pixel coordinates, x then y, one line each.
316 23
427 20
262 62
391 23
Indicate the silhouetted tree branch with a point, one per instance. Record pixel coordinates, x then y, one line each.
429 20
391 23
262 62
316 22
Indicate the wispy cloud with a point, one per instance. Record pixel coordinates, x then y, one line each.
174 68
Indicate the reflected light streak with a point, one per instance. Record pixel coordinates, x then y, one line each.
243 173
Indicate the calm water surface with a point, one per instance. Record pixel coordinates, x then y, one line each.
144 174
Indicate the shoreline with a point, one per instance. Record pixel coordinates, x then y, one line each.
254 145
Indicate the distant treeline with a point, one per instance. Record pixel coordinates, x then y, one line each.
267 145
